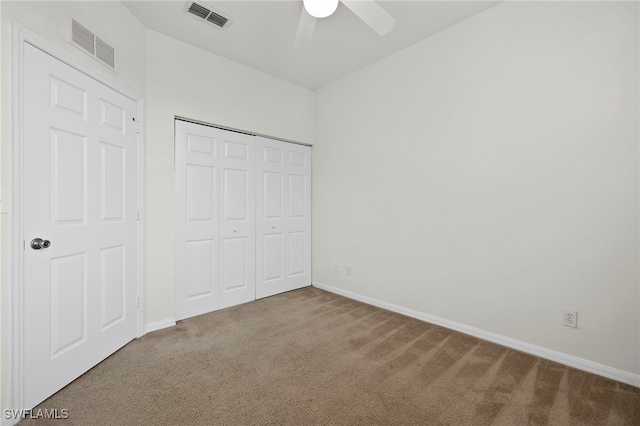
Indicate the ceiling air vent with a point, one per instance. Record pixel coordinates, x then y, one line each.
208 14
89 43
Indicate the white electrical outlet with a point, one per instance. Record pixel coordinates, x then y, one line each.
348 269
570 318
337 268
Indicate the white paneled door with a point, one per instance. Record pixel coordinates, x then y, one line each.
283 251
215 219
79 223
237 219
197 219
243 218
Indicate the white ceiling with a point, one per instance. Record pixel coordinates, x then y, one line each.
262 33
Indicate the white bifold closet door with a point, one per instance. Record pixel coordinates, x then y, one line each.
243 218
283 188
215 219
237 219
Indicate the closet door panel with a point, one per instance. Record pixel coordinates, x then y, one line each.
237 219
283 217
298 218
197 211
272 204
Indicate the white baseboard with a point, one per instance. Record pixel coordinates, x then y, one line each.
159 325
542 352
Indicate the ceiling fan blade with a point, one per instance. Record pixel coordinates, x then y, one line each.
371 13
305 30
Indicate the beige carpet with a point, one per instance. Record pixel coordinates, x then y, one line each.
310 357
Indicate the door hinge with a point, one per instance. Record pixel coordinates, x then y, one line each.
24 244
137 302
137 214
137 127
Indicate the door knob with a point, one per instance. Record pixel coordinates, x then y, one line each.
235 229
39 243
273 227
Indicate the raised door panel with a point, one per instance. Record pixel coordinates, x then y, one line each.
297 196
113 267
273 258
201 269
67 97
200 148
201 193
68 168
112 182
273 198
113 116
236 150
297 253
68 309
234 264
236 195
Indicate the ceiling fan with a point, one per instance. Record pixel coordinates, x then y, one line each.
367 10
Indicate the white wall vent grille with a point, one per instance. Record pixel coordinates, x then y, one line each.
207 14
88 42
105 53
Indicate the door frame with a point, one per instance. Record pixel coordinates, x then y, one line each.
22 36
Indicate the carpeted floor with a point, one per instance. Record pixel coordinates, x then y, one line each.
309 357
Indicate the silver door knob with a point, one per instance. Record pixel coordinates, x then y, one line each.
39 243
235 229
273 227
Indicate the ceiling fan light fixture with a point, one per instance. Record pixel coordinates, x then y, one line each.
320 8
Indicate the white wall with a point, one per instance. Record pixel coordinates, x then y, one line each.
488 175
49 20
183 80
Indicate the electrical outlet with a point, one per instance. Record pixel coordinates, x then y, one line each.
348 269
570 318
337 268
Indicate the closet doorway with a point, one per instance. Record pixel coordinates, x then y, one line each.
243 217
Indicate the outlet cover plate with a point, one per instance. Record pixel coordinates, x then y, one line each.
570 318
